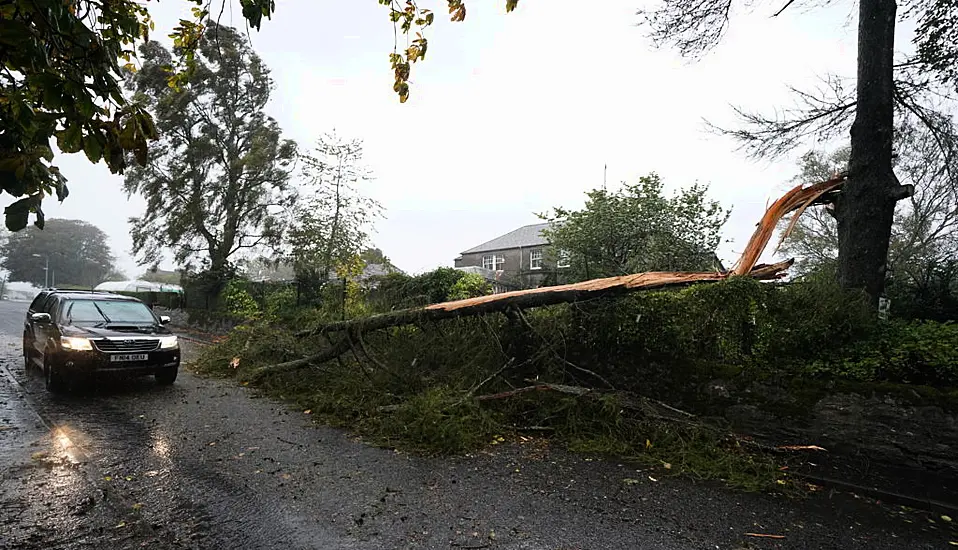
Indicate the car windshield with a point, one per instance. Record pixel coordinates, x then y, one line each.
93 312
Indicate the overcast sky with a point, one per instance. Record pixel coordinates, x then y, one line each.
513 114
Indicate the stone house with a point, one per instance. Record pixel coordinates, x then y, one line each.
522 258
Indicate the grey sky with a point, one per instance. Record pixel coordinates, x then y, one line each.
513 114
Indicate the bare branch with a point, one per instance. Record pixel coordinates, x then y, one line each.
816 116
694 27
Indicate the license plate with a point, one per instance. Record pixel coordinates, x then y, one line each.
129 357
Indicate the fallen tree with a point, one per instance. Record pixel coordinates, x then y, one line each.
795 200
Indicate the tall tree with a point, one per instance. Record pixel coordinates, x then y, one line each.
865 209
217 181
925 230
60 76
638 228
77 253
331 222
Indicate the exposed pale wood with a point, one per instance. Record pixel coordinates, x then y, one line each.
796 199
539 297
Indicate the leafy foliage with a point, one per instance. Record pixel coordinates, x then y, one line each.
217 181
929 292
637 228
470 285
78 252
59 80
909 352
238 302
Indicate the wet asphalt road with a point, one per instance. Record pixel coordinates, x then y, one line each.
206 464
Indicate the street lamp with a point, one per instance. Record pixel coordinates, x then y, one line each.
46 270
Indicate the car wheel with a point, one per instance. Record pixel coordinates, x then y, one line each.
166 376
52 376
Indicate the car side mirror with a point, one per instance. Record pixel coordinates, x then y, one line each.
40 317
164 319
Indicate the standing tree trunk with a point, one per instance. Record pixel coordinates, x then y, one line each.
866 208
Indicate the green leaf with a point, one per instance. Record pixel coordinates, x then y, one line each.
52 97
92 147
18 214
71 139
41 219
45 153
62 191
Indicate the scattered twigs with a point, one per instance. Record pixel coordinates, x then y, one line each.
333 352
556 353
513 393
488 379
648 407
764 536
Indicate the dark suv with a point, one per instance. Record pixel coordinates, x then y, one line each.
72 334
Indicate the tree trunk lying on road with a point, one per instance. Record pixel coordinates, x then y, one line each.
797 199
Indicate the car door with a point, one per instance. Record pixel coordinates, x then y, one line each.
44 331
29 326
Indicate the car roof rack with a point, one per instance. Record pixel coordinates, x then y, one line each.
78 291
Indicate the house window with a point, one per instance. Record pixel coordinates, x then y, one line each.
535 259
494 262
564 259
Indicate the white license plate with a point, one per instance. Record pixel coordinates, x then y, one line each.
129 357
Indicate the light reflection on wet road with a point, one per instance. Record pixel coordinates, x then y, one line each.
203 464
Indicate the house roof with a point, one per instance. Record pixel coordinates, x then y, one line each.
529 235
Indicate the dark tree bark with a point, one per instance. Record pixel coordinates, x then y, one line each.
866 208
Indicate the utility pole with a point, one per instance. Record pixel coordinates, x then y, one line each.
46 270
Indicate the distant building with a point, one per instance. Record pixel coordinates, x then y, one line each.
522 258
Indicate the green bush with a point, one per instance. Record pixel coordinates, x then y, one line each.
280 301
909 352
470 285
237 300
813 319
398 291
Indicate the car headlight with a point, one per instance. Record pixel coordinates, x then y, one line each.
75 344
168 342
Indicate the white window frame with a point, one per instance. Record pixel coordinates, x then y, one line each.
535 259
493 262
564 259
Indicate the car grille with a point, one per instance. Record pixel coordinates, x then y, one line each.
126 346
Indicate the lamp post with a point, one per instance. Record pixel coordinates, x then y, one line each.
46 270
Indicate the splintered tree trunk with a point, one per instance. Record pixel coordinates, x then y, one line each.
866 208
